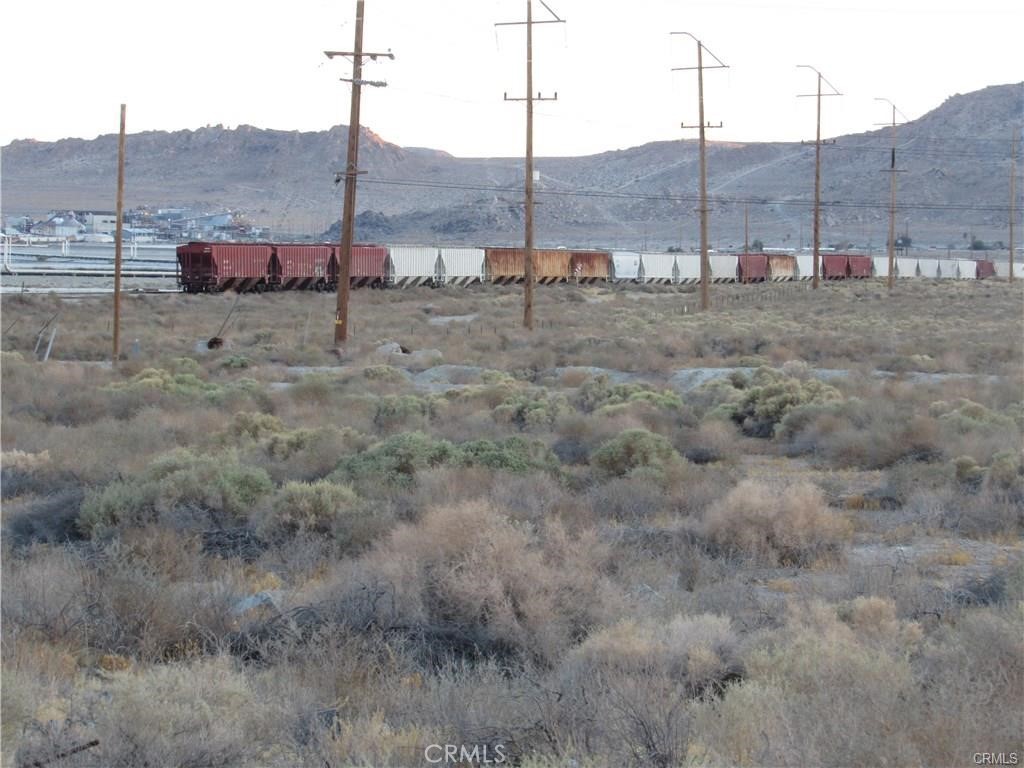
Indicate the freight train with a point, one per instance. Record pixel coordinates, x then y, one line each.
206 267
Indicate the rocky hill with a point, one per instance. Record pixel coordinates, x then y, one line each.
955 161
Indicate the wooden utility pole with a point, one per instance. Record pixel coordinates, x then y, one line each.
746 229
892 194
817 170
1013 196
528 278
118 236
348 211
705 264
892 206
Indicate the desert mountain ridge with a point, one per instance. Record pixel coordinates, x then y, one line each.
955 182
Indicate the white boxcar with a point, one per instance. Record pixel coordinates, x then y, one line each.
461 266
947 269
724 267
688 266
1003 268
967 268
906 267
413 264
880 266
805 265
625 265
928 267
659 267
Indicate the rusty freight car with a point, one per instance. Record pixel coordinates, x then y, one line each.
834 266
508 265
753 267
983 268
859 266
782 266
370 266
304 267
590 266
212 267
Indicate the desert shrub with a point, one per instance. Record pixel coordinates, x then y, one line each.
207 484
598 392
771 395
983 513
24 472
315 389
467 581
872 433
714 398
236 362
52 518
514 454
401 411
1003 585
1006 474
312 507
970 678
817 693
971 429
714 440
318 508
253 426
701 651
627 499
874 620
761 401
395 460
286 444
43 592
21 461
531 408
384 373
969 475
624 693
306 454
140 718
535 498
633 449
185 383
492 377
786 524
963 416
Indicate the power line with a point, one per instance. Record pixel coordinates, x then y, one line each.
669 198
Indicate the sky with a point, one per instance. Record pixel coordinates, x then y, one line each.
66 67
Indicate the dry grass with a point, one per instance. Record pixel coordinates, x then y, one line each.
788 525
281 567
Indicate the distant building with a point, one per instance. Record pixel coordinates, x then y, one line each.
98 222
60 225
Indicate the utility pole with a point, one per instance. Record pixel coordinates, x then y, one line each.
1013 195
528 278
892 194
119 232
348 211
817 169
746 229
705 264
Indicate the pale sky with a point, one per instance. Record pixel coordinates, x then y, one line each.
66 67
